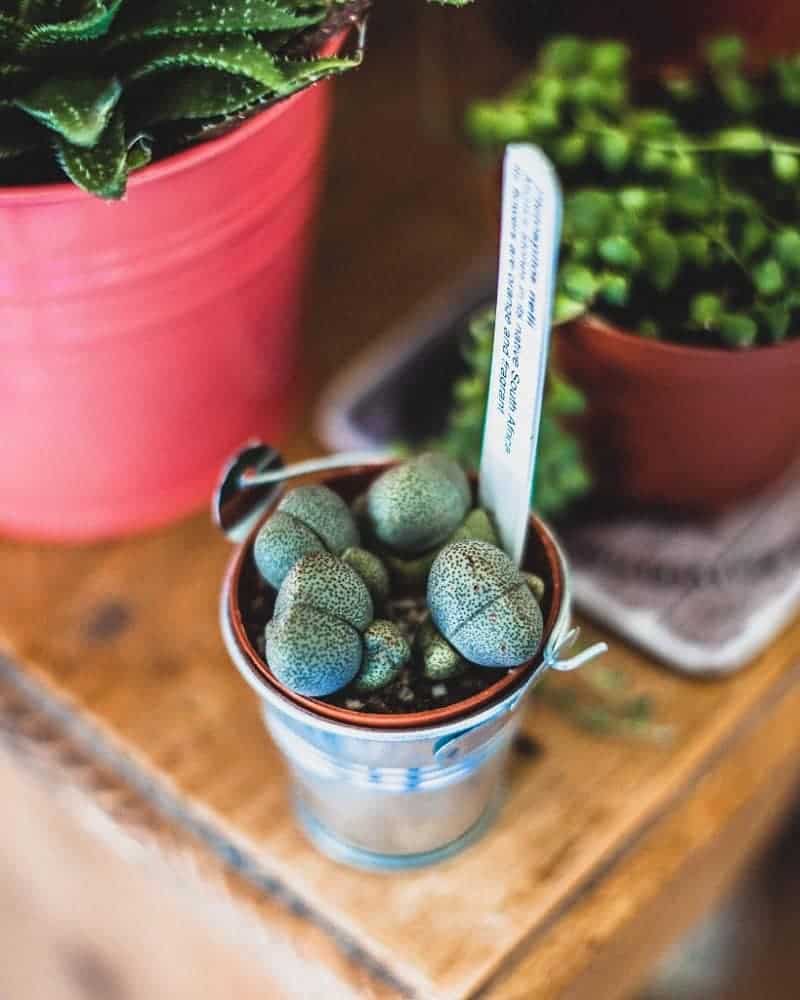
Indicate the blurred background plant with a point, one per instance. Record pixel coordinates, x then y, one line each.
561 474
681 194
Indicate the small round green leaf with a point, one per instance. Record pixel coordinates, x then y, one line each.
768 277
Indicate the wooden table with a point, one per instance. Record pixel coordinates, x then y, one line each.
606 849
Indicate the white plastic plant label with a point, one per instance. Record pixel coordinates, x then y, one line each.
529 241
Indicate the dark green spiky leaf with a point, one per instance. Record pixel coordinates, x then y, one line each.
195 93
238 56
102 169
303 74
140 153
77 108
203 17
94 23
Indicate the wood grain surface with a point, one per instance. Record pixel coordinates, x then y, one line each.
132 642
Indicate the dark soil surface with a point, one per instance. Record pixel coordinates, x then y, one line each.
409 692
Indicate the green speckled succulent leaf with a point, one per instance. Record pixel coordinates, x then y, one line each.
242 56
140 153
92 23
101 169
322 581
302 74
325 513
224 17
197 93
77 108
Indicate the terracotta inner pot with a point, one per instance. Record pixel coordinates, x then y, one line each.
689 428
541 557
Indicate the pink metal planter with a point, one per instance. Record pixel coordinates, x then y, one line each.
141 342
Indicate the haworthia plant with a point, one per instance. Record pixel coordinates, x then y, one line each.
97 88
681 198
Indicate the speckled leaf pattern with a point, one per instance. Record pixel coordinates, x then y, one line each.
198 93
140 153
302 74
213 17
239 56
77 109
94 23
102 169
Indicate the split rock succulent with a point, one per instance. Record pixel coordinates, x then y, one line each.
418 504
323 635
308 519
483 606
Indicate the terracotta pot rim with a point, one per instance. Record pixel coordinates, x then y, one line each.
65 191
412 720
690 354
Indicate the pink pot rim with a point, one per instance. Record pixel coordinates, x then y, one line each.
65 191
646 349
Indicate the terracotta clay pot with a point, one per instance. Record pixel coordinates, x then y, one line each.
682 427
542 557
143 340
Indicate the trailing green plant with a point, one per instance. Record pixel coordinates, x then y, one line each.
561 475
101 87
681 195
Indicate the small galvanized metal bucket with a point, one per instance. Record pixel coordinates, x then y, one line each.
390 798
